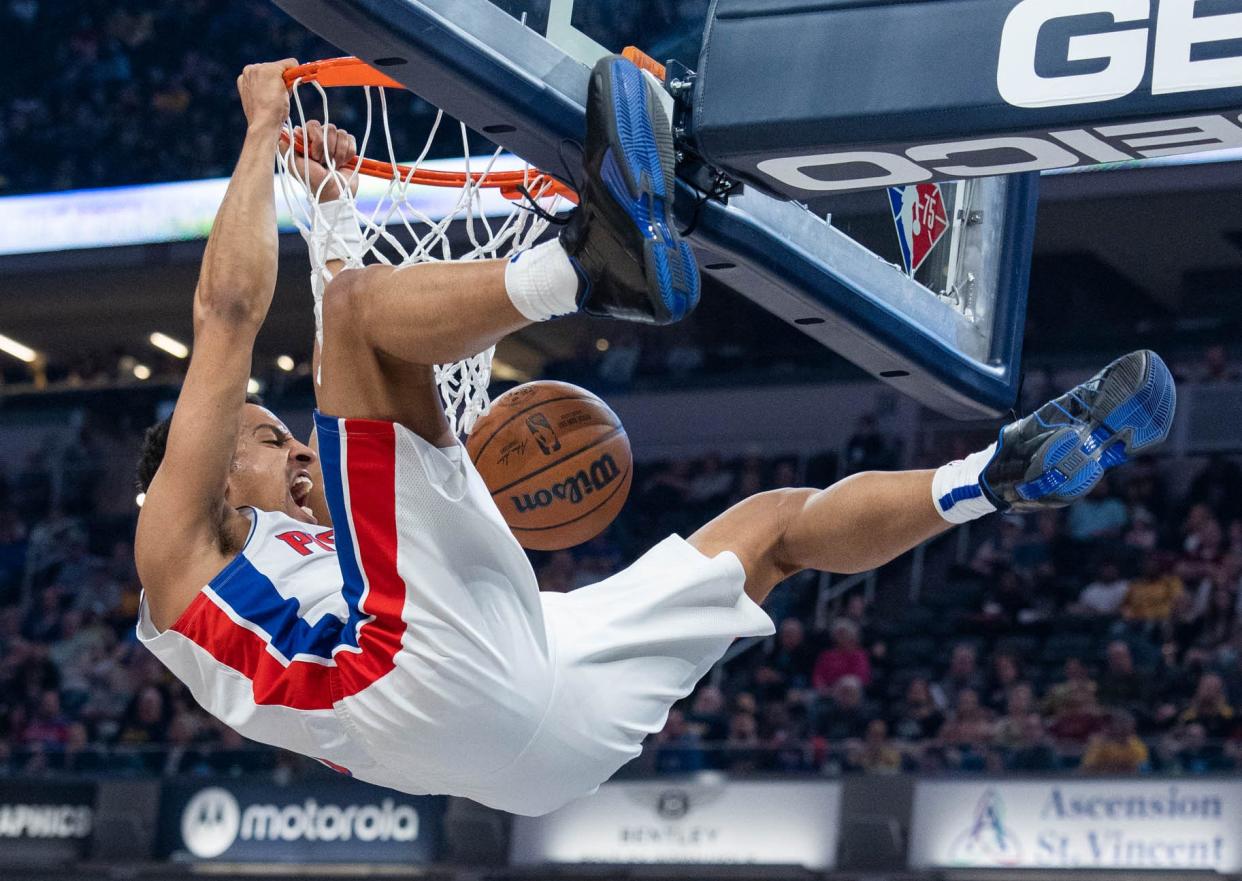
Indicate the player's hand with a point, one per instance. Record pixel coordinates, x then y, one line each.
327 147
264 96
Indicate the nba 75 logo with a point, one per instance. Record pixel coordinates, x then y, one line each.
921 220
545 434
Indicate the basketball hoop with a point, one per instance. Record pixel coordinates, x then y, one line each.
397 225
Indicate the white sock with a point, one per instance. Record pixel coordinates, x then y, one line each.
956 492
541 282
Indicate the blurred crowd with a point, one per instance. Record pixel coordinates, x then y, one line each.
103 94
1104 638
127 92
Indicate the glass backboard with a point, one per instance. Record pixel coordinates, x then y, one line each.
941 323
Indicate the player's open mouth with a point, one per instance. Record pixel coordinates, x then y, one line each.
301 490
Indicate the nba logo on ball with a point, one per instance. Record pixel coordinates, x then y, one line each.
921 220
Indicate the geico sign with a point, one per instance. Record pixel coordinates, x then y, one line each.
1122 47
986 157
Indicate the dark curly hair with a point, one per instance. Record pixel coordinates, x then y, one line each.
155 443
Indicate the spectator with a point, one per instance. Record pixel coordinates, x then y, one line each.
707 716
1034 751
1078 716
1077 677
962 674
79 755
710 487
1121 685
1100 517
917 717
876 754
1019 705
43 623
845 658
1210 709
1218 487
786 664
48 727
678 749
1116 749
146 719
970 724
1193 752
997 553
1143 534
1104 595
1006 675
1151 597
742 749
844 714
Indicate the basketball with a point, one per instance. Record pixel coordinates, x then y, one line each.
557 462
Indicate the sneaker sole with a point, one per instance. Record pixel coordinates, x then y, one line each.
645 166
1133 412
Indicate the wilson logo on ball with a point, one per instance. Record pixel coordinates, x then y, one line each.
601 473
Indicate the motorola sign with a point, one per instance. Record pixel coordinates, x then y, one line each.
704 821
210 823
330 822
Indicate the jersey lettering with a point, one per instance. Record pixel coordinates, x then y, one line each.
305 543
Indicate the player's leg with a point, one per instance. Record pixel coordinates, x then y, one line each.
853 526
1048 459
619 256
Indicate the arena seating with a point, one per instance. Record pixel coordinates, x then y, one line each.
1106 638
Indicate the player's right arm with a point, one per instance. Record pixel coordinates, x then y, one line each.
187 529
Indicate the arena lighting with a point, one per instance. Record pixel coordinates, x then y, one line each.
506 372
17 350
163 341
285 363
142 371
253 387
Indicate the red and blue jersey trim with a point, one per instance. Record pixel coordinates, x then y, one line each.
244 622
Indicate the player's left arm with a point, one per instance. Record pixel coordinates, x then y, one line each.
186 526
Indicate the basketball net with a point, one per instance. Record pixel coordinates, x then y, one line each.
401 222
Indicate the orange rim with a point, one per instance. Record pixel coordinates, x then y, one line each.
645 62
350 71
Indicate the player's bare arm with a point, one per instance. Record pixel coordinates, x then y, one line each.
188 529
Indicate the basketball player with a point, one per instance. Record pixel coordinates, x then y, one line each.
366 604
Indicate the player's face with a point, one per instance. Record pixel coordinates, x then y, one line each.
272 470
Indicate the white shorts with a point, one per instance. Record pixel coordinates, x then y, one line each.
519 700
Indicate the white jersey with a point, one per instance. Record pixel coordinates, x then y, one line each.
410 645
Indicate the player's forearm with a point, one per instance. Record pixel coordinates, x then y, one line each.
239 267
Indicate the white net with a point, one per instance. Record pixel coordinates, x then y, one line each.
401 222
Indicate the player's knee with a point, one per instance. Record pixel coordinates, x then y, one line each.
346 301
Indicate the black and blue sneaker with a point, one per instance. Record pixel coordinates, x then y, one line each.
1059 452
622 238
